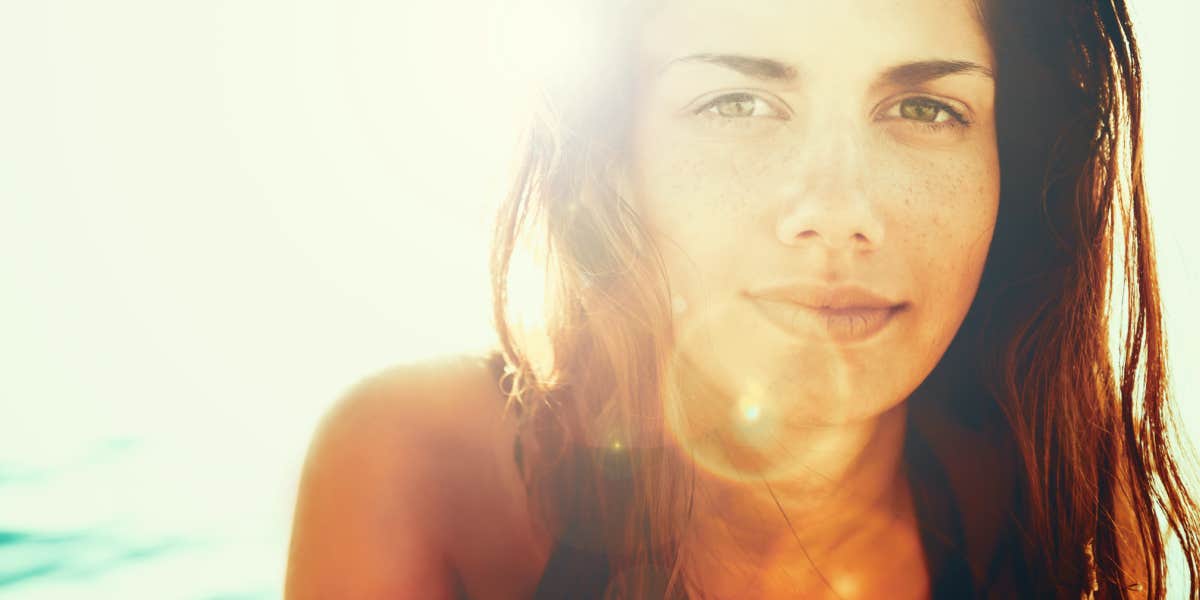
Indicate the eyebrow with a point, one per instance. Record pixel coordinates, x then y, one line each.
915 73
901 75
751 66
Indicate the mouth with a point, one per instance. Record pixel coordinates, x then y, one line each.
846 325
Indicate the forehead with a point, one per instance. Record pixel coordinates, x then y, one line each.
818 35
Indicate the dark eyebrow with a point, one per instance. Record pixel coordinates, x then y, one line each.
915 73
750 66
902 75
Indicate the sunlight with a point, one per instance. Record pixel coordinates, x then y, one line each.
541 40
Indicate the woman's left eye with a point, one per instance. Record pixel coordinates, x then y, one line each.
926 111
738 105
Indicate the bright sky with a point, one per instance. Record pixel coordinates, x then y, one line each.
215 216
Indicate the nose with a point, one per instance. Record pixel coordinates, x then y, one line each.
824 201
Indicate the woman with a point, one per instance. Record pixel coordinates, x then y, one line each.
829 320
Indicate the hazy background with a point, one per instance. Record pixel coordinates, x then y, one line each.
217 215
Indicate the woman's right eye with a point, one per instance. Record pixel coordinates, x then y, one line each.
739 105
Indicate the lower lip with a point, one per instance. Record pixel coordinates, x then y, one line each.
842 326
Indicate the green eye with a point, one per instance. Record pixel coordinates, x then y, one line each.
735 105
922 109
738 106
926 110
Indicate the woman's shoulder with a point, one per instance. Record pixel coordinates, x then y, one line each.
413 469
434 398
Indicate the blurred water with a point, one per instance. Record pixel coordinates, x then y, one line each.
145 518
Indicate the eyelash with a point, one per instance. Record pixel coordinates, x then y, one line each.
956 120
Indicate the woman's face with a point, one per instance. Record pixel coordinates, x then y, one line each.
822 179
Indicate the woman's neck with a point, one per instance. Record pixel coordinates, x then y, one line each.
840 518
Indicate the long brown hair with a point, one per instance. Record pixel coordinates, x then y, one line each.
1091 424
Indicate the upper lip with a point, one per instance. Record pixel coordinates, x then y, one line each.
845 296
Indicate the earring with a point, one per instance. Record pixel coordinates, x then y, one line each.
1091 585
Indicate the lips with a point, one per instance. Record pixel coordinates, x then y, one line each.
822 296
843 314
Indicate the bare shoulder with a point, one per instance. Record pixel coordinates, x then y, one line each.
409 486
429 401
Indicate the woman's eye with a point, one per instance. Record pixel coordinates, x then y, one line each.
737 106
927 111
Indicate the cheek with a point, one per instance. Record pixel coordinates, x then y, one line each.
699 208
944 228
958 215
685 191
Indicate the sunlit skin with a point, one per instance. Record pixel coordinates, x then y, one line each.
784 140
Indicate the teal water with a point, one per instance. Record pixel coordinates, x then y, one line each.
144 518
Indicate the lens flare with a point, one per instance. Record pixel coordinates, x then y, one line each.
751 413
